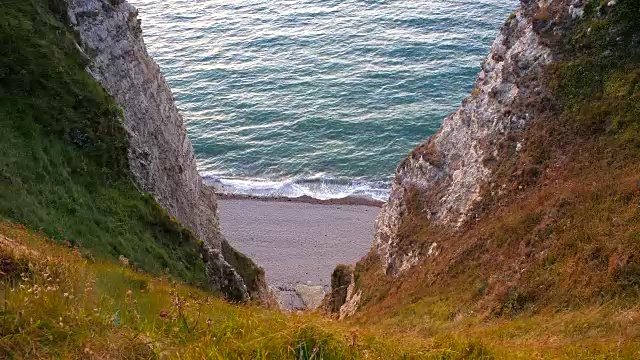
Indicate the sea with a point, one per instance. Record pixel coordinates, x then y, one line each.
321 98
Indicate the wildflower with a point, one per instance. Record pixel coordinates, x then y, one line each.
65 295
209 322
164 313
129 292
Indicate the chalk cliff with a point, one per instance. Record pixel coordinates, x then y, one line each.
161 156
447 172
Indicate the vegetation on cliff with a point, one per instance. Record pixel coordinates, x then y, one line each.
59 305
548 268
551 256
63 154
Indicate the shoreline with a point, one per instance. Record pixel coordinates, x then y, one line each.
349 200
298 262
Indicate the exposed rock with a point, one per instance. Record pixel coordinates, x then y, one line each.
161 156
352 301
449 170
289 300
311 295
341 280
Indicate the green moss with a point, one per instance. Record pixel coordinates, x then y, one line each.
510 18
63 154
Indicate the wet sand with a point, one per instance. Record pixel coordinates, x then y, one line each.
298 242
351 200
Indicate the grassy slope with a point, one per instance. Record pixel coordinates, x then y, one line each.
550 271
553 265
63 154
57 304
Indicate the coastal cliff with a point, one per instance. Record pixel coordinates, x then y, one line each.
498 199
448 171
161 157
538 257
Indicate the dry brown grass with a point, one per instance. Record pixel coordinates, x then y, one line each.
550 264
58 304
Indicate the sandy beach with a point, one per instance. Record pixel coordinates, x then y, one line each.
298 242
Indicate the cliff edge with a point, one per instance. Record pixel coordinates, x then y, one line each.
526 179
448 171
161 156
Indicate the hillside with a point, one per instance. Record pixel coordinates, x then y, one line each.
94 151
57 304
514 232
548 226
63 155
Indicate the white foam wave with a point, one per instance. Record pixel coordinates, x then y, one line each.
317 187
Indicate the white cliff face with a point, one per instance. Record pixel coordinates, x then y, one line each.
161 156
449 170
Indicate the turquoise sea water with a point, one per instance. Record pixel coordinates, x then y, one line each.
319 98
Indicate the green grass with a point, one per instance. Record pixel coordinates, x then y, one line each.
63 154
598 82
552 273
59 305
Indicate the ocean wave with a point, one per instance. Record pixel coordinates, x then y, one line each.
274 91
317 187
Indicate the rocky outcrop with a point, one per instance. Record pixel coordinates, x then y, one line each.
311 295
448 172
161 157
341 281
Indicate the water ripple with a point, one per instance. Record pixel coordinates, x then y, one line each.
315 97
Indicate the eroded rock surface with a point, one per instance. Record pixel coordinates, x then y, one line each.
449 170
161 156
341 281
311 295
